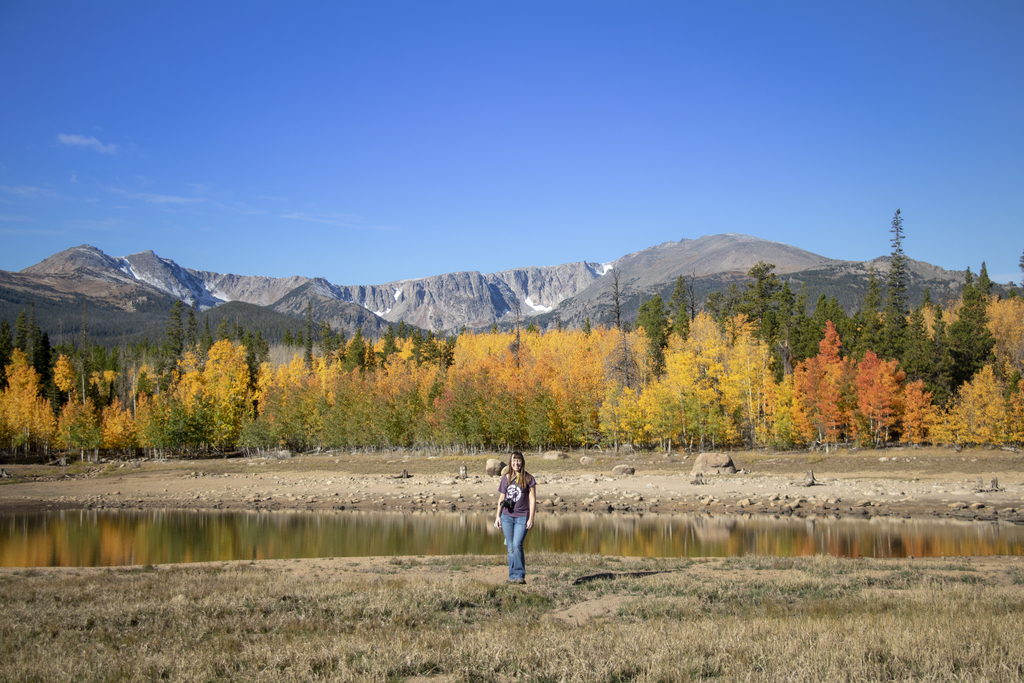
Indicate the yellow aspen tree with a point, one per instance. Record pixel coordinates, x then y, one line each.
918 413
664 419
226 383
748 372
1006 322
29 418
118 428
103 381
698 373
612 416
1015 417
64 374
783 413
978 413
78 427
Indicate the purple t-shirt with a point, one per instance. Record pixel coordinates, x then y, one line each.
520 497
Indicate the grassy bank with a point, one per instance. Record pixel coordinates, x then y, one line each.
453 619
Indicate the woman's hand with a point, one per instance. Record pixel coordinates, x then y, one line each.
529 523
497 522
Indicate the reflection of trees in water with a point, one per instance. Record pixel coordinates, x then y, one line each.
107 538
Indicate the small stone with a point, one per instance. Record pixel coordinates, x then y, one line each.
957 506
863 503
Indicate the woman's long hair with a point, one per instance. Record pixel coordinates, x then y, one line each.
523 476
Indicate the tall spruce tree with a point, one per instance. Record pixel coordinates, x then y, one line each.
653 318
867 322
6 349
760 301
984 284
941 381
892 335
21 333
970 340
308 357
918 359
678 309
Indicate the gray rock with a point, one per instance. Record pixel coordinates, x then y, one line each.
585 460
713 463
494 467
556 455
620 470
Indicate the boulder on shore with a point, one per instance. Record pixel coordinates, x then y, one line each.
713 463
555 455
620 470
586 460
494 467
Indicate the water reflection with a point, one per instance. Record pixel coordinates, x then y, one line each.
107 538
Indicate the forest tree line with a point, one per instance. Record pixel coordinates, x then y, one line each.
748 367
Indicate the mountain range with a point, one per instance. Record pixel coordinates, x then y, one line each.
129 296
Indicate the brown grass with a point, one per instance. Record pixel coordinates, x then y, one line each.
453 619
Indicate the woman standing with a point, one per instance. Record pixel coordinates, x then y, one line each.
517 505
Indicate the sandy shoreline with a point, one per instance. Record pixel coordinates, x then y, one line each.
903 482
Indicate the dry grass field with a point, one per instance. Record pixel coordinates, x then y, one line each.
448 619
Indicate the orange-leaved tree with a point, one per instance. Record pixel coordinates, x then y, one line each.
823 387
878 385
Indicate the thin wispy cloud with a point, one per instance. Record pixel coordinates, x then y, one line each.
339 220
90 142
27 191
104 225
157 198
14 219
4 230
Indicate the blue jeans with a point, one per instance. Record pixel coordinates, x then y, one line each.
515 533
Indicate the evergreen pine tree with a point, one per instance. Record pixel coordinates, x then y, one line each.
654 320
21 333
984 283
192 330
355 351
389 346
34 334
677 310
308 357
783 346
6 348
173 339
800 325
918 354
892 335
586 326
970 340
870 327
206 341
760 301
941 381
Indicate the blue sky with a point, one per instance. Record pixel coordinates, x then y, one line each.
367 142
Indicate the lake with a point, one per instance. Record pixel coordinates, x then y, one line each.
90 538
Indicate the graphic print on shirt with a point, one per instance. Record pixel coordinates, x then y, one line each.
513 493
